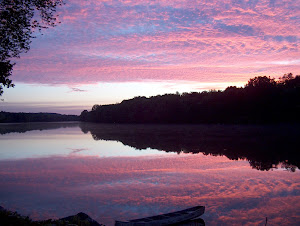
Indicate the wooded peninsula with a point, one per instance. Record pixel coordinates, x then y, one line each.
262 100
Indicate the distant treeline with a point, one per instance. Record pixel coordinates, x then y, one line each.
8 117
261 100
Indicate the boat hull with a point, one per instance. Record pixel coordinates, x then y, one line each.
165 219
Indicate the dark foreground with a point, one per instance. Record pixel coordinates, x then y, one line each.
9 218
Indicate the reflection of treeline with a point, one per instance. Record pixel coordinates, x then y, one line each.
265 147
8 117
262 100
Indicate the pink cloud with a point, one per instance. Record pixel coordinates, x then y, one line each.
107 41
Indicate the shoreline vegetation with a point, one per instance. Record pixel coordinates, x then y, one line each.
263 100
8 218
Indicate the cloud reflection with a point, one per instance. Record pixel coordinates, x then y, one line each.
129 187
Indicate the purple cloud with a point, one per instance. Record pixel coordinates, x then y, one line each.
74 89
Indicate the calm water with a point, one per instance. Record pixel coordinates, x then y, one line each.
241 174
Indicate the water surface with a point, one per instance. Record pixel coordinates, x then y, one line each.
241 174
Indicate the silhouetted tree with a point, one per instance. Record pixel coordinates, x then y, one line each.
18 20
83 116
292 82
262 82
95 107
5 72
285 78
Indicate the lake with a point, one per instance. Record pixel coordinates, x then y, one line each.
241 174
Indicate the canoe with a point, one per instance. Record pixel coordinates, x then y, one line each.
166 219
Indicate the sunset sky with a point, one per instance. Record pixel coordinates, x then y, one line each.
108 50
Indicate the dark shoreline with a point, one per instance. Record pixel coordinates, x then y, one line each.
20 117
